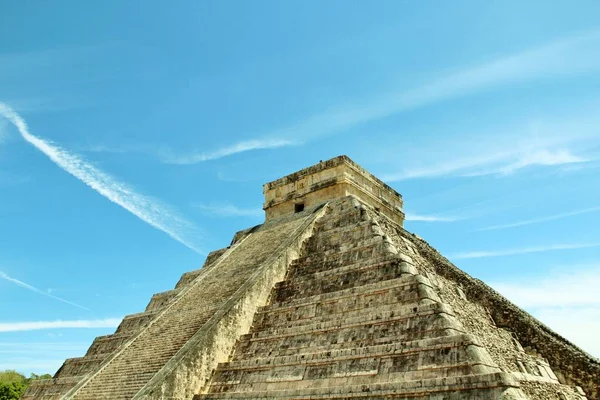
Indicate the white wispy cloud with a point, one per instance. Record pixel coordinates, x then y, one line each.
561 57
59 324
567 302
565 56
499 163
38 291
430 218
239 147
536 157
41 347
548 145
580 325
540 220
522 250
145 208
228 210
102 148
577 287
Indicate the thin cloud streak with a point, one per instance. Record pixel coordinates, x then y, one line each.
542 157
41 347
562 57
577 288
228 210
38 291
240 147
524 250
566 56
503 163
145 208
567 302
75 324
580 325
540 220
429 218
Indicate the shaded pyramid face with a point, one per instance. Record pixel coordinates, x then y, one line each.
333 301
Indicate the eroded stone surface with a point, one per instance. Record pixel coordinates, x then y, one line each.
334 303
329 180
355 319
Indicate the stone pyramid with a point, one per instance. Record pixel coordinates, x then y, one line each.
330 298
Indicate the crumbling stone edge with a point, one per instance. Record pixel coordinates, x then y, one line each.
572 365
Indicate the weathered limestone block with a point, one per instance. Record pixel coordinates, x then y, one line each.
160 300
332 179
134 322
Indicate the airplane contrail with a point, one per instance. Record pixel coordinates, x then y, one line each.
38 291
145 208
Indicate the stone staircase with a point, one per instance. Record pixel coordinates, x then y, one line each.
119 365
184 311
354 319
74 370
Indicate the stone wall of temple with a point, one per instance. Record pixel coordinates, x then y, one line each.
332 179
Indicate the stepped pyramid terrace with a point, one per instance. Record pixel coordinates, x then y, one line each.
330 298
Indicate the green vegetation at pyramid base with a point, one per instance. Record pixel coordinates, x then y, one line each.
13 384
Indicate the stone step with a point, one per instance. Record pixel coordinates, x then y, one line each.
160 300
50 388
347 297
363 250
328 270
133 322
321 227
363 333
401 297
118 388
107 344
333 341
373 351
79 366
344 279
189 277
415 310
343 235
341 229
341 218
372 309
325 269
345 372
472 387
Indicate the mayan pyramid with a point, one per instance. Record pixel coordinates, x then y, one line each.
330 298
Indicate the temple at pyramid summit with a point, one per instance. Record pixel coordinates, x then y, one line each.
329 298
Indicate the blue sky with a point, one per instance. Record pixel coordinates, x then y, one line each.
136 137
